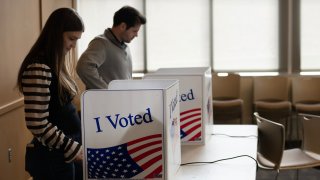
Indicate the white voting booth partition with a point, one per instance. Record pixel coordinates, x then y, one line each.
132 130
195 101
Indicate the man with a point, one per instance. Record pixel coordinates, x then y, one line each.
108 57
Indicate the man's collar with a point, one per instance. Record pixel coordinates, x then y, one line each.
112 37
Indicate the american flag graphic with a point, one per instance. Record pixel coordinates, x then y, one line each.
137 159
190 125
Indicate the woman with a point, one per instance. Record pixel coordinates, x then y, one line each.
48 88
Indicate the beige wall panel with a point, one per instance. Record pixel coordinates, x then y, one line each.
48 6
20 26
13 135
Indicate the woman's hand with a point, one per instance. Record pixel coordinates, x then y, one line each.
79 157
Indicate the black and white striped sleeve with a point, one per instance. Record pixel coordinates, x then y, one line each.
36 81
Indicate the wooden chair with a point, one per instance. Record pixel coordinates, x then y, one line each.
310 131
271 99
306 95
271 152
227 105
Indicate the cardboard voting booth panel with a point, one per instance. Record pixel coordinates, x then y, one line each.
195 101
131 130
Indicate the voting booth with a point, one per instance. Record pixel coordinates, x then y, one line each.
131 130
195 101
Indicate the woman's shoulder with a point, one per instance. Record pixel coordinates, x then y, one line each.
37 72
38 67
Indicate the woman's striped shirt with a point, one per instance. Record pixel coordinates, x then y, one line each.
36 81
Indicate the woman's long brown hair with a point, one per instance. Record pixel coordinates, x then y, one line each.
50 45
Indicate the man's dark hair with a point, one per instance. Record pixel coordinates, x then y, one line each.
128 15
